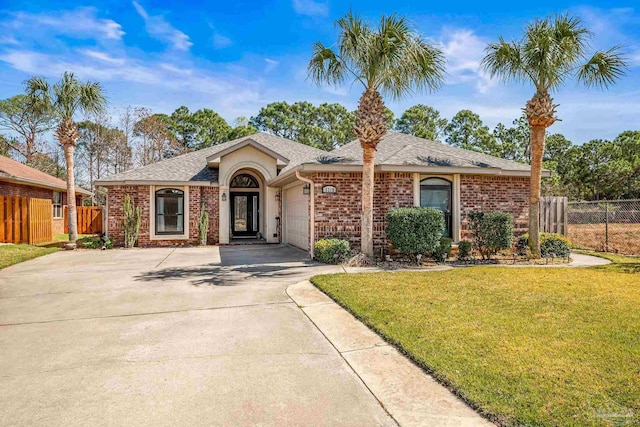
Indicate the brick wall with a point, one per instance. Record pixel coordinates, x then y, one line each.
338 215
495 193
18 190
141 197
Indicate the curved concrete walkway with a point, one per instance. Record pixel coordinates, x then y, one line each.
412 397
577 260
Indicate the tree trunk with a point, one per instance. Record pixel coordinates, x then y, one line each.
369 127
366 232
537 150
72 219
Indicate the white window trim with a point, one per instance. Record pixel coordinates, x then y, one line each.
152 214
456 220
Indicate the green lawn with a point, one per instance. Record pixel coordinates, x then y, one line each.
525 346
14 254
65 237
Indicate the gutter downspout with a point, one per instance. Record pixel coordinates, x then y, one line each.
312 213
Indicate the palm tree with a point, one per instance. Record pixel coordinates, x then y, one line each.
390 59
64 99
551 51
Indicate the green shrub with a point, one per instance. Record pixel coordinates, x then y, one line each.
550 243
492 232
464 249
444 249
97 242
522 245
331 251
415 230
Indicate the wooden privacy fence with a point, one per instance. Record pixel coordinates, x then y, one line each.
40 221
24 220
89 220
553 214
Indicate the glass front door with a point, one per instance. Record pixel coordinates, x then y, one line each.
436 193
244 214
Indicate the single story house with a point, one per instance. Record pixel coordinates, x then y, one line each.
20 180
273 189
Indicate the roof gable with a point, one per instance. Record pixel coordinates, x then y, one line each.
214 159
194 166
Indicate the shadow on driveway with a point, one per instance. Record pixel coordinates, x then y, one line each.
240 265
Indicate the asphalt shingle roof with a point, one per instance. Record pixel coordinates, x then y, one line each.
193 166
11 169
402 149
394 149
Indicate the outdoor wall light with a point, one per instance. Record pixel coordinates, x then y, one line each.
306 189
224 197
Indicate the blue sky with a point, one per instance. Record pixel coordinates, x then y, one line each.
237 56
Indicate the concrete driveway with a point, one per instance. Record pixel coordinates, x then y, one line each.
193 336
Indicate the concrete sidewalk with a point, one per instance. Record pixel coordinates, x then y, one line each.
412 397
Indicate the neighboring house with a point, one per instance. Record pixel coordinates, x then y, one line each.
17 179
270 187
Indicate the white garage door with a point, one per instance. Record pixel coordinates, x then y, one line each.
296 217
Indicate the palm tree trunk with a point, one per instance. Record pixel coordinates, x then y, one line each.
537 150
366 232
72 219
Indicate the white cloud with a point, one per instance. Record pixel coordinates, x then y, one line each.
464 51
220 41
102 56
81 24
232 94
175 69
311 8
160 29
271 64
8 40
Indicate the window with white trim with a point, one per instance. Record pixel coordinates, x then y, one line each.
57 204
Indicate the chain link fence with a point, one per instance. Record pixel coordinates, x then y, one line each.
607 226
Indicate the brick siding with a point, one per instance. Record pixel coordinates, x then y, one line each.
338 215
18 190
495 193
141 197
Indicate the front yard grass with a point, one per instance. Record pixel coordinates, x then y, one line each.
524 346
14 254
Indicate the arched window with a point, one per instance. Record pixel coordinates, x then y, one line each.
436 193
244 181
169 211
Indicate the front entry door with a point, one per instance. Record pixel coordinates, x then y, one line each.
245 214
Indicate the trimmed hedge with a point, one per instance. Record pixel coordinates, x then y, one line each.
550 243
415 230
331 251
492 232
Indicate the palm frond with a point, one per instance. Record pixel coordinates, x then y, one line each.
38 94
550 52
505 60
391 57
92 99
603 68
325 66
